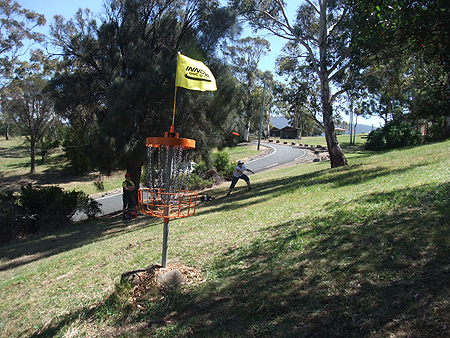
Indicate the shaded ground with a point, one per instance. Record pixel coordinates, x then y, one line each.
54 172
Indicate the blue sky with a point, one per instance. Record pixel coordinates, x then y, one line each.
68 8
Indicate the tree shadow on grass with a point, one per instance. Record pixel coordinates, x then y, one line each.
347 274
335 178
52 176
16 152
42 245
382 275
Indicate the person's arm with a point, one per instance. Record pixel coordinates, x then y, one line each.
128 188
240 170
250 171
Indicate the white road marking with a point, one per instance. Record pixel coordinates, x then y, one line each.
272 165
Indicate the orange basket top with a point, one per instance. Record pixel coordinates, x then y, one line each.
170 139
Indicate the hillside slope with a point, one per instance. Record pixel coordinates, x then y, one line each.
358 251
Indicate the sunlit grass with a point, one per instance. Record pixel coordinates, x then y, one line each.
357 251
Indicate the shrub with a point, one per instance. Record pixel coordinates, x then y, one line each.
200 170
15 222
7 195
435 131
221 160
203 177
198 183
99 183
395 134
54 205
223 165
40 208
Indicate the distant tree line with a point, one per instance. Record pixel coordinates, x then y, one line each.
110 83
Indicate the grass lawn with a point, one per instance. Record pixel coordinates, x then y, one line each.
15 169
357 251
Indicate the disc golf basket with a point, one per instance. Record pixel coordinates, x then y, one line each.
169 169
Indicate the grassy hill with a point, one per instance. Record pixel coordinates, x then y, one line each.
359 251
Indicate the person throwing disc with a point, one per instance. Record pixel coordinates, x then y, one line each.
239 173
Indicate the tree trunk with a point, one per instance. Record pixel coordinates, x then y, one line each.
7 131
33 157
351 122
247 129
296 122
447 127
337 157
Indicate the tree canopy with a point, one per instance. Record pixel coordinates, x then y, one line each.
17 33
118 84
31 107
244 58
404 47
322 39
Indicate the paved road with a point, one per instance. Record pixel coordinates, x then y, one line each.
281 154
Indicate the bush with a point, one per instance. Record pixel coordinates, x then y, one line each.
435 131
221 160
395 134
15 222
198 183
203 177
54 205
200 170
39 208
223 165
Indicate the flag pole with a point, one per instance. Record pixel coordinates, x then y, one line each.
175 96
174 104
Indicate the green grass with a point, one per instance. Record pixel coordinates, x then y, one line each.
243 152
358 251
15 168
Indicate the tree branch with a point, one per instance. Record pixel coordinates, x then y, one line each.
338 62
313 6
335 95
287 28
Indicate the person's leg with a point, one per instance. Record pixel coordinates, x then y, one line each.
233 183
132 204
124 200
247 180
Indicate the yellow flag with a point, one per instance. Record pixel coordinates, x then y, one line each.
194 75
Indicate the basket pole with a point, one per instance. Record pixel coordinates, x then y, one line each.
167 208
165 242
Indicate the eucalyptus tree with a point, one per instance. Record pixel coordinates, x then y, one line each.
244 57
118 87
319 29
31 106
301 92
415 34
17 33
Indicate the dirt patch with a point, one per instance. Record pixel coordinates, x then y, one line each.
145 287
